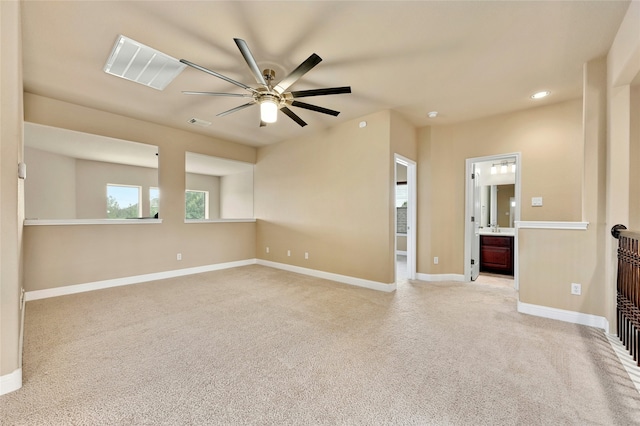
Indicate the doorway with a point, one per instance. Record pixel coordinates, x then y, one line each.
405 219
492 209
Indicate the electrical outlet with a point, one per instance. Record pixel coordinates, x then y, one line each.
306 255
289 253
267 250
435 260
576 289
179 256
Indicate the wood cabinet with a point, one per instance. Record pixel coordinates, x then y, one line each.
496 254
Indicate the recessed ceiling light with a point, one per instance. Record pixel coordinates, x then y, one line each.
362 124
433 114
540 95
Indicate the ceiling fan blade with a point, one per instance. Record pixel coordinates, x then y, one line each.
215 74
302 69
248 57
235 95
321 92
292 115
315 108
238 108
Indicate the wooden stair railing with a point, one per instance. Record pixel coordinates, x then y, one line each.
628 288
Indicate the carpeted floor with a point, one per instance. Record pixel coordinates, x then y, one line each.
255 345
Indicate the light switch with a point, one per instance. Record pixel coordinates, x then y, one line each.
536 201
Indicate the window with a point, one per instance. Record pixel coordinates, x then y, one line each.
196 204
402 197
154 201
123 201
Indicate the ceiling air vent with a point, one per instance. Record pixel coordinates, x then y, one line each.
136 62
199 122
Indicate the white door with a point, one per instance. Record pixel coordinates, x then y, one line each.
411 213
475 223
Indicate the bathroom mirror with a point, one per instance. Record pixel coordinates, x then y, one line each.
75 175
497 193
217 188
498 204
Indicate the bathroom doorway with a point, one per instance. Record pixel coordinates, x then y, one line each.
405 219
492 210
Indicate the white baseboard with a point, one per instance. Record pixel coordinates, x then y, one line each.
373 285
563 315
440 277
136 279
11 382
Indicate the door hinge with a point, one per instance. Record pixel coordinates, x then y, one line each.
473 175
473 261
473 218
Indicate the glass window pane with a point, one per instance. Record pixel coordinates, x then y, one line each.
123 201
402 195
154 201
196 203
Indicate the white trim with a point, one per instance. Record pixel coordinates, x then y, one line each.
373 285
217 220
50 222
625 359
11 382
412 209
401 252
441 277
136 279
564 315
524 224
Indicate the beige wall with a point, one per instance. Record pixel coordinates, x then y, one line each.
623 77
550 142
66 255
11 188
236 195
505 192
92 178
550 260
50 190
329 195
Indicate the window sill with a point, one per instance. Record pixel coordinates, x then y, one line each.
65 222
218 220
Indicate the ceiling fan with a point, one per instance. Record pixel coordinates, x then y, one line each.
272 98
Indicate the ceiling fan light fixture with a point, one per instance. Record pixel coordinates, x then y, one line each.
269 109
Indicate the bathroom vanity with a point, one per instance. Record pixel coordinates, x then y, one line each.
496 252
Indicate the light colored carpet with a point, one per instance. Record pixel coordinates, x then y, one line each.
255 345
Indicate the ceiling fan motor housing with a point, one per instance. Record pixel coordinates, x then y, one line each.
269 75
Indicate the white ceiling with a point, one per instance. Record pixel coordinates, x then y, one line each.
465 59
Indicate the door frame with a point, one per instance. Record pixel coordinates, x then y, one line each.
469 227
411 214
